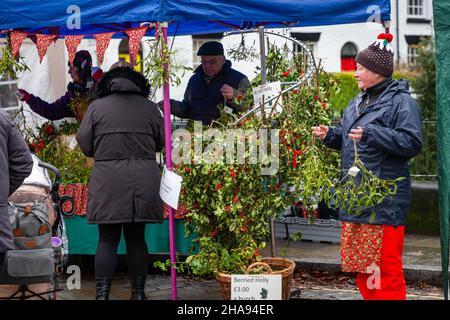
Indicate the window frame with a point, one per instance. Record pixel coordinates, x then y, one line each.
417 5
196 60
8 82
412 54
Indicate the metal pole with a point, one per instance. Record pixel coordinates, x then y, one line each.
397 27
168 142
262 54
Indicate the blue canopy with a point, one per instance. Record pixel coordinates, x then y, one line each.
185 16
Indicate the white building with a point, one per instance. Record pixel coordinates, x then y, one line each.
336 46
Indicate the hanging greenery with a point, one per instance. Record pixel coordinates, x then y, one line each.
9 65
361 189
242 52
160 56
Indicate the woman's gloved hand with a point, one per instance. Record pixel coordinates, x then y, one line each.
75 87
22 95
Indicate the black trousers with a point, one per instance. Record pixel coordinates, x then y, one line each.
106 255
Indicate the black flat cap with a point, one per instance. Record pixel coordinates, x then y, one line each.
211 48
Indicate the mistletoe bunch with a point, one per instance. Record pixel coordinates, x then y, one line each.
361 189
9 65
160 56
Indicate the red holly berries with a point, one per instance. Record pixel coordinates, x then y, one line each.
324 105
232 173
50 130
218 187
228 208
214 233
296 153
287 72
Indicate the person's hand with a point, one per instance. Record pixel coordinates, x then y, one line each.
75 87
356 134
320 131
227 91
22 95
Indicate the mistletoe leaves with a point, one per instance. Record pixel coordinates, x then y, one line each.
316 178
9 65
160 64
364 191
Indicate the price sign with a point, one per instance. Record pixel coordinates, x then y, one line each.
264 93
256 287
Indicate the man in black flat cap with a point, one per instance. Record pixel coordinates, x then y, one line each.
214 83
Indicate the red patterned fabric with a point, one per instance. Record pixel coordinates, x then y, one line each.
17 38
79 192
72 43
391 284
102 43
42 42
360 246
134 41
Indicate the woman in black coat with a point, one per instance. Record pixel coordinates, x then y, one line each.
122 131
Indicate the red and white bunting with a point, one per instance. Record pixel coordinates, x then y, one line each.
17 38
42 42
72 43
102 43
134 41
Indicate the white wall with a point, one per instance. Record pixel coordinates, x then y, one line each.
46 79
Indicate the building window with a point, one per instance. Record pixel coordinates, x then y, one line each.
124 55
413 53
309 39
312 47
348 55
198 41
416 8
8 99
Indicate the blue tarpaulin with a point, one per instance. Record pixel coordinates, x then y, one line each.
186 16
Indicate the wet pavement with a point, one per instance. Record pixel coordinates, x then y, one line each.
188 288
317 276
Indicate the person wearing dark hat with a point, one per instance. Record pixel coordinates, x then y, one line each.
384 123
214 83
83 79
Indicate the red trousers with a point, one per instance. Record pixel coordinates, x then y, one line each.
389 283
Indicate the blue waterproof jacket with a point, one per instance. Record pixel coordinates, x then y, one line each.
391 137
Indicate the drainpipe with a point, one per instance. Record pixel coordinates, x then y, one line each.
397 31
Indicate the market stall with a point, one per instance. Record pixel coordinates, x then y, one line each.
135 19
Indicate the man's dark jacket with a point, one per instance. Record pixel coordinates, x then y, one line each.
201 99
